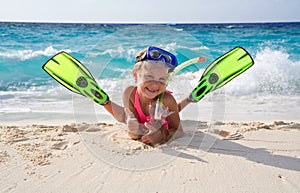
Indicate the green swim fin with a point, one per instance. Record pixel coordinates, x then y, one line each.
73 75
221 71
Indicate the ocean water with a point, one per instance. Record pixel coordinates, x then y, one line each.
270 90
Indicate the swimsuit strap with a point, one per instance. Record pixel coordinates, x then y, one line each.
137 105
142 118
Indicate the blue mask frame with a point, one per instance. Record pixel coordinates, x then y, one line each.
157 54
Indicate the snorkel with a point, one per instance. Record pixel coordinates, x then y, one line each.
159 103
170 60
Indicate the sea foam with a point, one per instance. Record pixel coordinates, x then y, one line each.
29 54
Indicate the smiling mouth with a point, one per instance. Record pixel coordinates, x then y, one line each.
152 90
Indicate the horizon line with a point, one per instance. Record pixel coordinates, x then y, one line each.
131 22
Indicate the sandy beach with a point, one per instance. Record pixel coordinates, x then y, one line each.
220 157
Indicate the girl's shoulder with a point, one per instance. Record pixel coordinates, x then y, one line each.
168 94
169 98
129 90
128 93
170 102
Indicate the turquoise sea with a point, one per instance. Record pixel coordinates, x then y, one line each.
270 90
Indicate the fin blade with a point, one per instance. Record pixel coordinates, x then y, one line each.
69 72
239 61
221 71
54 67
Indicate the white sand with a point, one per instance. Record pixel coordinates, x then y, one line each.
226 157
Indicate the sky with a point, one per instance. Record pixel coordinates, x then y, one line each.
150 11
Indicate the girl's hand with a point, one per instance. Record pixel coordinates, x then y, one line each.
153 138
153 126
133 125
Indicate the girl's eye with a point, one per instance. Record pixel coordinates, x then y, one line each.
149 77
152 78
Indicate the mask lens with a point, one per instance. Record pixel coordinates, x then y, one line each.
155 54
168 59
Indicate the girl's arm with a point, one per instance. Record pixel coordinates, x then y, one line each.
183 103
175 128
116 111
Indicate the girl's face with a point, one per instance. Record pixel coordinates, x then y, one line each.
151 79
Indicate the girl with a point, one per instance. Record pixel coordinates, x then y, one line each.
151 112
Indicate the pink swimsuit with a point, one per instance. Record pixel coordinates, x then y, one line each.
142 118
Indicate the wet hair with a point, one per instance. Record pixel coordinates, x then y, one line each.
140 53
138 65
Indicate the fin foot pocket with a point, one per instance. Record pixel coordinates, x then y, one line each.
96 94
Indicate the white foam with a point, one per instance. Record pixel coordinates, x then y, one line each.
128 53
15 110
29 54
273 73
